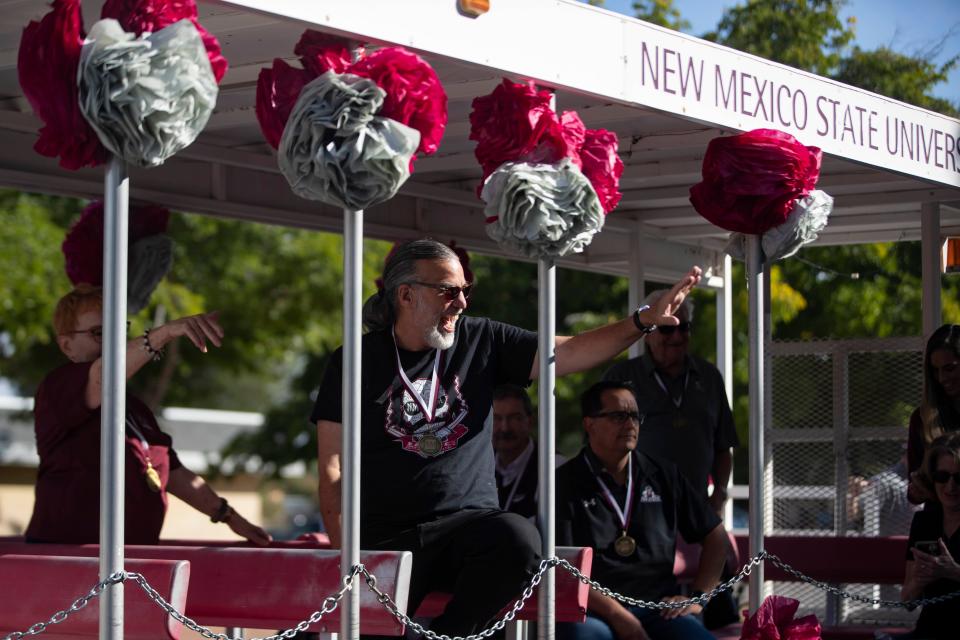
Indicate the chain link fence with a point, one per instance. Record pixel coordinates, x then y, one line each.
835 449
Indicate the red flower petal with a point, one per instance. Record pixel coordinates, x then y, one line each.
751 181
320 52
47 68
415 96
137 16
277 91
602 166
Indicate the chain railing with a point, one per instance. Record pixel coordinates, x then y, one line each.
333 601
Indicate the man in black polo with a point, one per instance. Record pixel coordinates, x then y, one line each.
688 419
629 506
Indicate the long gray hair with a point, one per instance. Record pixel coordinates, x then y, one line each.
379 311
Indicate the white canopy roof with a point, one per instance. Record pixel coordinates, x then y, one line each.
665 94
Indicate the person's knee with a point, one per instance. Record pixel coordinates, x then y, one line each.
519 541
592 629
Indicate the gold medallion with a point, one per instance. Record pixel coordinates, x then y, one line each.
625 546
152 477
429 445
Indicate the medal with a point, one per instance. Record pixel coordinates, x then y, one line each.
152 477
429 445
428 408
624 545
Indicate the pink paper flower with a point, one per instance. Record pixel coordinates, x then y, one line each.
415 96
137 16
83 245
752 180
602 166
277 91
320 52
47 68
774 621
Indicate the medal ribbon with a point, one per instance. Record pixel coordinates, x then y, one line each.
143 441
428 409
522 462
676 401
623 514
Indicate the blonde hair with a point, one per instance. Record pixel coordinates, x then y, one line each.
82 299
948 445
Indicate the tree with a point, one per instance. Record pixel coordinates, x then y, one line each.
661 12
807 34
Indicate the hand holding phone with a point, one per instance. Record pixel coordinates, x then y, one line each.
930 547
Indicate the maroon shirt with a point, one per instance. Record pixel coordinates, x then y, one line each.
67 506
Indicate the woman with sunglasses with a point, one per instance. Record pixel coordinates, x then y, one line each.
67 425
939 412
932 561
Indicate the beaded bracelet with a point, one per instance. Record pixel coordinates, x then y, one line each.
155 354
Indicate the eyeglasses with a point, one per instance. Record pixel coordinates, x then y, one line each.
942 477
448 291
668 329
620 417
95 332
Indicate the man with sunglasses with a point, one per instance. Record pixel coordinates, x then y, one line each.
688 417
629 506
427 470
67 426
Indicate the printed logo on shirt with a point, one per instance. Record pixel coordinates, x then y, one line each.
649 495
408 424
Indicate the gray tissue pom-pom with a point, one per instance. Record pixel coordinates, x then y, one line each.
150 260
336 150
541 210
148 97
806 220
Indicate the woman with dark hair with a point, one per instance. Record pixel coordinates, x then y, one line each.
939 412
934 549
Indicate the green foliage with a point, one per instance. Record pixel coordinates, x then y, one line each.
661 12
899 76
807 34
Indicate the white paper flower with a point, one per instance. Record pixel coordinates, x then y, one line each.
148 97
806 220
336 150
150 260
541 210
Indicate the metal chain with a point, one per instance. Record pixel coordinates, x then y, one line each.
77 605
332 602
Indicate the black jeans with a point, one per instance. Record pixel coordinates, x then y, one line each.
481 556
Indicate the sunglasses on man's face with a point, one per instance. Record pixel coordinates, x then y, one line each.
448 292
668 329
942 477
620 417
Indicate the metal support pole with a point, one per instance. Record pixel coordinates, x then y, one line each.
755 322
546 513
350 456
637 290
725 355
931 245
113 401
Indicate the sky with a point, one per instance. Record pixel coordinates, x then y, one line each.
904 26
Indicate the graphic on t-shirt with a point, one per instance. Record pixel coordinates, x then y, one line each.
649 495
406 421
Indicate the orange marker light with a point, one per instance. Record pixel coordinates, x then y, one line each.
953 256
473 8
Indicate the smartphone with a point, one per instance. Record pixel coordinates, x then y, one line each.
931 547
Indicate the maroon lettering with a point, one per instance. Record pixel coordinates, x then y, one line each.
925 143
744 94
668 70
951 146
780 91
937 148
847 125
697 80
761 89
870 131
647 63
823 117
860 112
906 140
725 92
803 101
895 139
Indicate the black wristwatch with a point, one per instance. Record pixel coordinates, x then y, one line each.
223 512
644 328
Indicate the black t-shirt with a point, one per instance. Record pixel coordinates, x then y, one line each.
936 620
414 470
665 504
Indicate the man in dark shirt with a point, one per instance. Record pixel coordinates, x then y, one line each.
427 473
687 414
515 450
629 506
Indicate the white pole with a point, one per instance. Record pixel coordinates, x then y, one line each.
116 189
931 246
755 321
637 290
725 355
546 514
350 458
